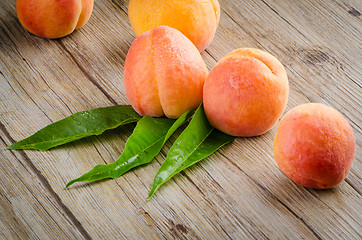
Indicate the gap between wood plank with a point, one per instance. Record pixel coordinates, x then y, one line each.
273 196
89 77
284 19
141 208
352 186
336 213
48 187
206 200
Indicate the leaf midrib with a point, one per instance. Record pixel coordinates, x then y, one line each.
116 165
71 137
196 147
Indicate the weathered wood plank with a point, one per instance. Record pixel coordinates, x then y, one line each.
238 192
29 209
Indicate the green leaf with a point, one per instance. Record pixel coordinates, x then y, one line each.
196 142
142 146
77 126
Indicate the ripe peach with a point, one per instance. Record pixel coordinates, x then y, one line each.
314 146
164 73
246 93
196 19
53 18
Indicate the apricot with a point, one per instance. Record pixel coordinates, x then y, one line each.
53 18
196 19
314 146
164 73
246 93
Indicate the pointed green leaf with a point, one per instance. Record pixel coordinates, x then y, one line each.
142 146
77 126
196 142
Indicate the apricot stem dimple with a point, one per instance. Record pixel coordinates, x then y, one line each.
269 67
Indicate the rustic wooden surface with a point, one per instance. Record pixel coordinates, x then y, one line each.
237 193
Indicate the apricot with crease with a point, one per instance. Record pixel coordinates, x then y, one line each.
53 18
164 73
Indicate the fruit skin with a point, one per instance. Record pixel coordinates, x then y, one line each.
314 146
246 93
164 73
196 19
53 18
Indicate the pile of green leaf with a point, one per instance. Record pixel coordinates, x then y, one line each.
196 142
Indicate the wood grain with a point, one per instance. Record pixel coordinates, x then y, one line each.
29 206
237 193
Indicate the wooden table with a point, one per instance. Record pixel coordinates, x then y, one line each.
237 193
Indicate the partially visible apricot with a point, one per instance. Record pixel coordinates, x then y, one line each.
53 18
196 19
246 93
314 146
164 73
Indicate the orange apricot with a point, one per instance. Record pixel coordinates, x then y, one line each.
164 73
246 92
53 18
196 19
314 146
